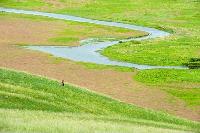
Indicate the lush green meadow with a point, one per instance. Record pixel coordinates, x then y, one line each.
31 99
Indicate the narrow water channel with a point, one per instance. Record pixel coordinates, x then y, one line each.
89 51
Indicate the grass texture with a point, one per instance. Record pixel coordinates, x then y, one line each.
24 95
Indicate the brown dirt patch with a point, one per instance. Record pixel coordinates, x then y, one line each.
34 32
119 85
26 32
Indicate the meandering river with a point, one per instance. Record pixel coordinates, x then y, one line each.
89 52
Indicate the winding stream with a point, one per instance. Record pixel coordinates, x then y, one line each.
89 51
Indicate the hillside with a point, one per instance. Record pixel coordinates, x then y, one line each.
55 40
34 100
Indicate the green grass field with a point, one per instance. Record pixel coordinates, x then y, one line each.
184 84
30 103
36 103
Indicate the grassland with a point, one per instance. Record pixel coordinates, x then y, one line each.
163 53
180 17
42 121
30 99
184 84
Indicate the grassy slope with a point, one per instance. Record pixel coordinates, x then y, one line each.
180 17
184 84
49 122
27 92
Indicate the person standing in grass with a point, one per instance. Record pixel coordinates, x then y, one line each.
63 83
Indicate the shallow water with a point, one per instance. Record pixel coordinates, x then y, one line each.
89 51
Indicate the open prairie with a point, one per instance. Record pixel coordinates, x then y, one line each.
139 100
